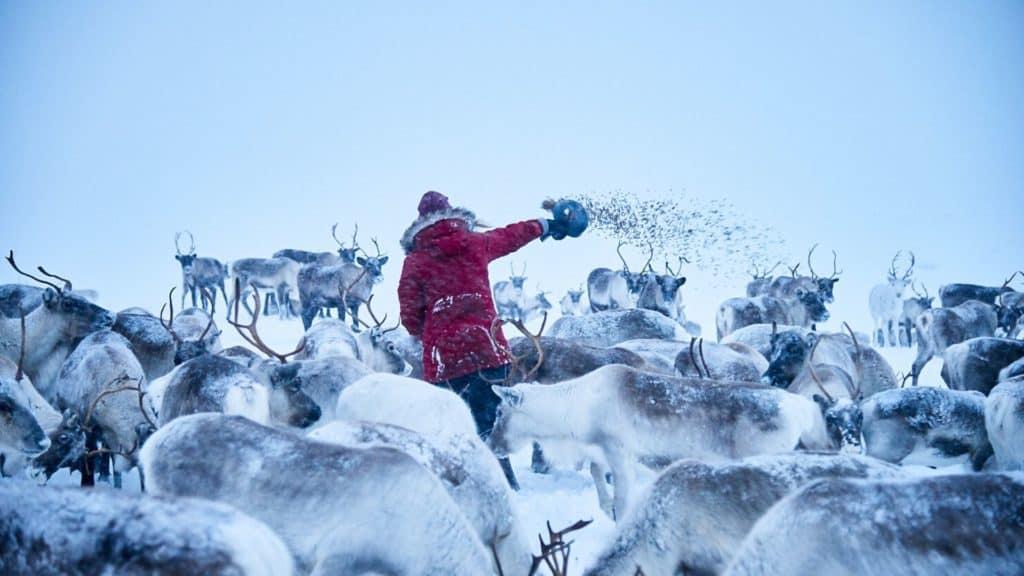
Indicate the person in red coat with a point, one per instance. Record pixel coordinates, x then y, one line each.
445 300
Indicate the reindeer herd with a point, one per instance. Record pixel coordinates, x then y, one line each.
778 449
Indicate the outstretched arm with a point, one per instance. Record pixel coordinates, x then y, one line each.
410 300
503 241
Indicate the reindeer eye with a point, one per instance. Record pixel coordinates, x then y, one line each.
63 437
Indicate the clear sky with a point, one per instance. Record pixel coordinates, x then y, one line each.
867 126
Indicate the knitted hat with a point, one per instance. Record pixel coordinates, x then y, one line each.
433 202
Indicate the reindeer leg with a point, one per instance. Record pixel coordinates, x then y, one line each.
353 309
538 463
597 472
622 477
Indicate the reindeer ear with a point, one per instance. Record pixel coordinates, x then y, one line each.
360 260
811 339
820 401
509 396
383 260
49 295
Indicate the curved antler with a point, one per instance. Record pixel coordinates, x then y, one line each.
10 260
700 348
835 271
334 234
249 333
618 250
809 265
67 283
814 375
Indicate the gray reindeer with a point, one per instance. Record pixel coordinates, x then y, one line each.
199 274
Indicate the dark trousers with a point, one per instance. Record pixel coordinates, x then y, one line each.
475 390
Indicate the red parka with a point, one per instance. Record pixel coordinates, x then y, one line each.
445 292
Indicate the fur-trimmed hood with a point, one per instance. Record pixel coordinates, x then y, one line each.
408 241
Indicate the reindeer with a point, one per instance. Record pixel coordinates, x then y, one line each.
912 308
509 296
723 363
534 306
307 257
54 326
975 364
374 347
278 276
804 309
1009 308
1004 421
103 384
826 286
952 295
625 414
886 302
330 504
940 328
660 291
469 473
81 532
760 279
926 425
696 514
608 328
614 290
958 525
201 276
572 303
345 286
194 332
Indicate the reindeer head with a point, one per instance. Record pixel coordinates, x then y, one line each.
825 285
813 303
517 280
79 317
575 296
513 424
897 280
347 254
787 357
373 265
19 429
67 445
288 402
844 421
186 257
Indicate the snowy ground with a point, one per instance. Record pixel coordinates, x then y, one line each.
562 497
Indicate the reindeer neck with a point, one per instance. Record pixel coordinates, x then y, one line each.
564 405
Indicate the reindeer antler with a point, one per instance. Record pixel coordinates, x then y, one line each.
20 372
191 242
10 260
910 269
892 265
170 320
809 265
814 375
793 269
618 250
650 257
334 234
249 333
835 271
555 552
67 283
700 348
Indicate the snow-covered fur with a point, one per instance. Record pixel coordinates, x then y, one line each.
924 425
940 328
627 414
331 337
209 384
975 364
151 343
802 310
660 355
73 531
605 329
1004 421
885 301
609 289
423 222
21 436
435 412
759 336
16 395
102 363
1014 370
953 525
189 326
696 514
565 359
733 362
466 468
276 275
321 380
54 326
341 510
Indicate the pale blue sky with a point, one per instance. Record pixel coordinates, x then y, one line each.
867 126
